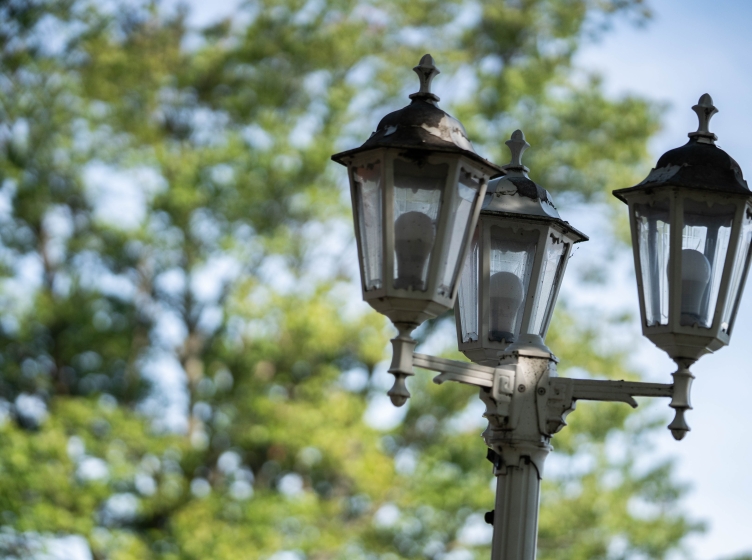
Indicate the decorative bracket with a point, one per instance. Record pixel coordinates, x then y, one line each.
496 383
556 402
555 397
451 370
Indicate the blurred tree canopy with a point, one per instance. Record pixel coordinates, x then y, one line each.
185 367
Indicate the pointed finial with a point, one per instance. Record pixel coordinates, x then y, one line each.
680 397
399 394
517 145
401 367
426 72
705 111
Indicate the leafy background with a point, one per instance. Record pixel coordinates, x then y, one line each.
187 371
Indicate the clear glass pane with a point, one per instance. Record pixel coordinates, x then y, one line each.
653 237
741 263
457 226
467 293
512 257
368 205
705 240
417 201
551 271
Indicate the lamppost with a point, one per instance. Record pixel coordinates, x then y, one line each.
433 218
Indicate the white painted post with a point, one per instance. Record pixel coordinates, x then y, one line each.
521 447
515 519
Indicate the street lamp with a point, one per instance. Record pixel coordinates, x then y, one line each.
416 186
691 226
691 223
515 265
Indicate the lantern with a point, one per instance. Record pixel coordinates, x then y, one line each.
514 268
691 223
417 186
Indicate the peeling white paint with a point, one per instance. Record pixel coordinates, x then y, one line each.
450 130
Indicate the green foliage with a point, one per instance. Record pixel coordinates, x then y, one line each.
226 267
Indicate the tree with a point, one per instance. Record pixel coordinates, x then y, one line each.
184 370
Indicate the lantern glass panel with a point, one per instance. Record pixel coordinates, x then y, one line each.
459 216
511 262
705 241
368 208
737 273
467 294
417 201
553 266
653 235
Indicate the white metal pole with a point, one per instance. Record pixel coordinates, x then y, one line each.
519 438
515 519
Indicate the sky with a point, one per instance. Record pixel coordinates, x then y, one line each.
689 48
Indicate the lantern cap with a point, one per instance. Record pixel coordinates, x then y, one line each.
516 193
422 126
699 164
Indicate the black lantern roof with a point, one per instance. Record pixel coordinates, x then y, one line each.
699 164
422 126
516 194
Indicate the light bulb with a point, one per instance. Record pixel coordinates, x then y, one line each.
506 295
695 274
413 241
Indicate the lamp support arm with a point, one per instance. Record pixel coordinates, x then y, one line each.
563 394
614 391
557 396
526 404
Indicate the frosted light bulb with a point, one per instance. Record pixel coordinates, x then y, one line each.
413 240
695 276
506 295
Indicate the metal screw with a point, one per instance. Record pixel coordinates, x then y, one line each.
521 388
541 391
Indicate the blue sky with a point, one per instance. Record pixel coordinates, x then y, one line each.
690 48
